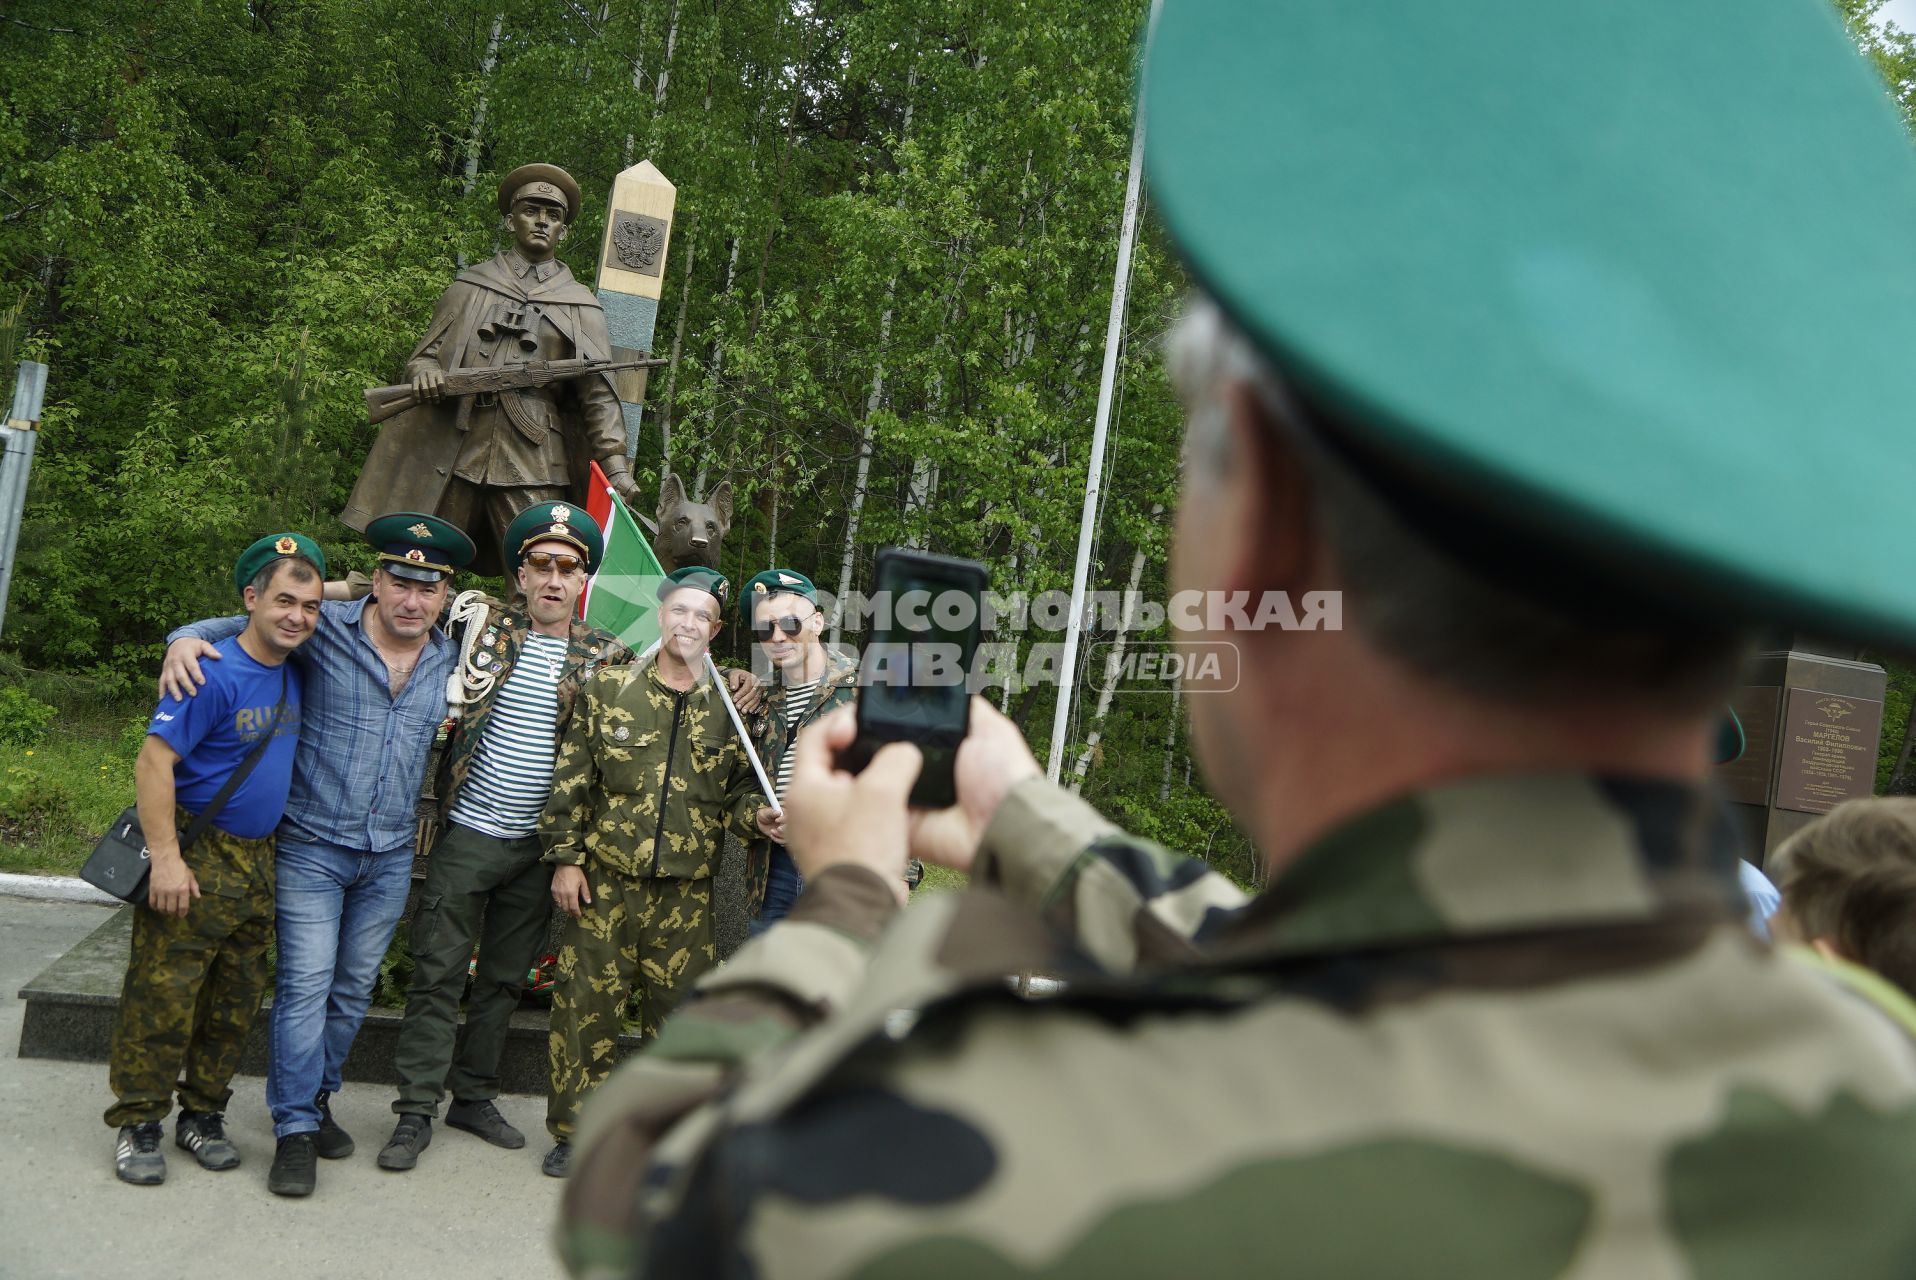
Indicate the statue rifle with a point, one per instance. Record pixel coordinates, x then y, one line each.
383 402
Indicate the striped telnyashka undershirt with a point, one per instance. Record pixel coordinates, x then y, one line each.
511 774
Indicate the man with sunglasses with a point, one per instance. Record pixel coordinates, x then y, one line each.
807 680
521 669
650 774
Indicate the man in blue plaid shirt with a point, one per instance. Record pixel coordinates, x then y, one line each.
375 674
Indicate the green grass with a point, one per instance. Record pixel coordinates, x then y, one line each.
58 794
941 880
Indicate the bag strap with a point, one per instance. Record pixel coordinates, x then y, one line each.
198 826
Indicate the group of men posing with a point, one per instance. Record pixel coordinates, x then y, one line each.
561 769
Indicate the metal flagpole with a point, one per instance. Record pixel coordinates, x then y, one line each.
18 437
1094 474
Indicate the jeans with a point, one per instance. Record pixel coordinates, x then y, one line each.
336 912
782 887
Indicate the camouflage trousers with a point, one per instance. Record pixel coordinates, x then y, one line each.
193 984
650 935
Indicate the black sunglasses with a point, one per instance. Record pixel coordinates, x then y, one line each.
543 560
790 626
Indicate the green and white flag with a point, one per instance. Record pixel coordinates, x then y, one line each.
623 596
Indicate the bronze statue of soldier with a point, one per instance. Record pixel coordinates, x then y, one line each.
478 460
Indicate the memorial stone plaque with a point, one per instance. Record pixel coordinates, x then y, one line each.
1829 750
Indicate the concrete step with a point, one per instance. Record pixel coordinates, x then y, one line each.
70 1009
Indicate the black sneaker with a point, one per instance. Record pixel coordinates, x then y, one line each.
914 873
295 1167
204 1134
411 1135
334 1142
558 1161
483 1118
137 1159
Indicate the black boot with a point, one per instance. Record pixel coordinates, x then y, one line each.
295 1166
411 1135
483 1118
334 1143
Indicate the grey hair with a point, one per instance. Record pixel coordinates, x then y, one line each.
304 570
1420 605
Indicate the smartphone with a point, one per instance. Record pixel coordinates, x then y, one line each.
912 677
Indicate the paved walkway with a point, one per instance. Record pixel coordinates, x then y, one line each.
468 1211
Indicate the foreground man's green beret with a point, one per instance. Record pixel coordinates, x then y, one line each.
1638 278
710 581
275 546
555 522
774 582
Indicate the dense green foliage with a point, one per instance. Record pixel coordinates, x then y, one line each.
896 229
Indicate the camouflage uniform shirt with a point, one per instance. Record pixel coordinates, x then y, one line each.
773 738
1509 1026
648 778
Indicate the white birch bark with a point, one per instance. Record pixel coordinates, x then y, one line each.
1113 663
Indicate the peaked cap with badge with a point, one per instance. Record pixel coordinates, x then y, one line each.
1558 277
553 522
275 546
547 182
774 582
417 546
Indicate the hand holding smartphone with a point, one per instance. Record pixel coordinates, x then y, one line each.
912 678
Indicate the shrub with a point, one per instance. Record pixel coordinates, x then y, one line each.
24 719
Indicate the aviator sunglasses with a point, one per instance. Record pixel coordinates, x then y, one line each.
543 560
790 626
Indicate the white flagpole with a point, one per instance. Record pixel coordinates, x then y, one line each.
1094 473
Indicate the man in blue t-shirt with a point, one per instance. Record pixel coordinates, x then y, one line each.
198 963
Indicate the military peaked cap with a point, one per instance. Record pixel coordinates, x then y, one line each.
418 546
546 182
553 522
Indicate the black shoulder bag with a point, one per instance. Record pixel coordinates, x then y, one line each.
120 862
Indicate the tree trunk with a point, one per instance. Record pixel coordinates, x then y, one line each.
1113 662
678 348
1171 739
474 134
873 400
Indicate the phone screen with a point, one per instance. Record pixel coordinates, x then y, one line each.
913 672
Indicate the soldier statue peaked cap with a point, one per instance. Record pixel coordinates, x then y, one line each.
546 182
1637 279
420 547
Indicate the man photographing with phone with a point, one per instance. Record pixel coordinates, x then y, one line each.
1474 349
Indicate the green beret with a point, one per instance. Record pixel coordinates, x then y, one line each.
710 581
546 182
414 545
275 546
1560 264
774 582
553 522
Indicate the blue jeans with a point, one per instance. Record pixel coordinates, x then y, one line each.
336 911
782 888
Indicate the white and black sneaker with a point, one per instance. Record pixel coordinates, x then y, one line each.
138 1159
204 1134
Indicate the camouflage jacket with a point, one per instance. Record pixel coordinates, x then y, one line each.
773 738
495 651
1508 1027
648 777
